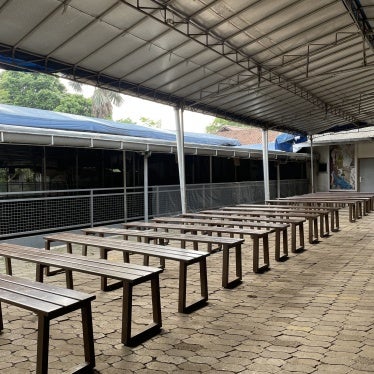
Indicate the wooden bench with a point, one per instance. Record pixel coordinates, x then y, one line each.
274 227
310 217
255 235
322 213
183 256
223 243
49 302
129 276
366 198
334 210
355 206
276 224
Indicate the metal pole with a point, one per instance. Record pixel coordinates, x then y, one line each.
91 208
146 187
312 163
124 170
44 171
265 163
180 152
278 181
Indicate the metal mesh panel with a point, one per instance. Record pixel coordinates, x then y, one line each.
165 200
32 215
108 208
135 204
27 213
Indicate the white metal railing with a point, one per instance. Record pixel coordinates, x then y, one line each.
26 213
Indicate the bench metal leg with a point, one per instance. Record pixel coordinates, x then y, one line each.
48 271
337 223
324 225
352 212
313 230
278 256
43 345
256 254
8 265
1 319
88 342
182 307
153 328
88 338
104 280
225 267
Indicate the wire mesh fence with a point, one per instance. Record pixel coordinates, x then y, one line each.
27 213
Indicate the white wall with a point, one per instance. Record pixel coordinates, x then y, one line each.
365 150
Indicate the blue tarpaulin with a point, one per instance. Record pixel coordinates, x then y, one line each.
285 142
38 118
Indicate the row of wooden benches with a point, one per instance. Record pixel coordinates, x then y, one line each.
235 220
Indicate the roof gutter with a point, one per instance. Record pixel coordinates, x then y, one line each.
62 138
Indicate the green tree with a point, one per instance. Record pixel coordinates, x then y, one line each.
218 123
102 100
36 90
126 120
75 104
31 90
150 122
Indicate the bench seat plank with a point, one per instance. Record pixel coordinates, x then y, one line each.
49 302
163 237
129 275
183 256
255 234
310 215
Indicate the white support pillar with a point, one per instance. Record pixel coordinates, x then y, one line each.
312 164
265 163
146 214
180 152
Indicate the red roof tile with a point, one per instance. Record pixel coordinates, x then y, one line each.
250 135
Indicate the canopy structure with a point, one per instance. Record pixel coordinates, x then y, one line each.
298 66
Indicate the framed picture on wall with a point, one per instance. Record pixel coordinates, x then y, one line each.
342 167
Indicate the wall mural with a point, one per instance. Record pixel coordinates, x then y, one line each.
342 167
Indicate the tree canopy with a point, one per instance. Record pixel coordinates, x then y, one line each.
102 100
35 90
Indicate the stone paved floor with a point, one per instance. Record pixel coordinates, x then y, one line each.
311 314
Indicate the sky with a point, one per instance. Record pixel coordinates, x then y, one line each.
136 108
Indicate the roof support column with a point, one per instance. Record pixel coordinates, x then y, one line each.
265 163
180 152
146 155
312 164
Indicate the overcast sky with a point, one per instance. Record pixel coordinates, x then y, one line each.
136 108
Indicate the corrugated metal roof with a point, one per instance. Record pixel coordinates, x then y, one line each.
289 65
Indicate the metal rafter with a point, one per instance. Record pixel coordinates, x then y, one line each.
187 27
357 12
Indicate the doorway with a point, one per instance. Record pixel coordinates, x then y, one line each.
366 180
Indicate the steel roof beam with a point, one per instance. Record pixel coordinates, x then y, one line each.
176 21
357 12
